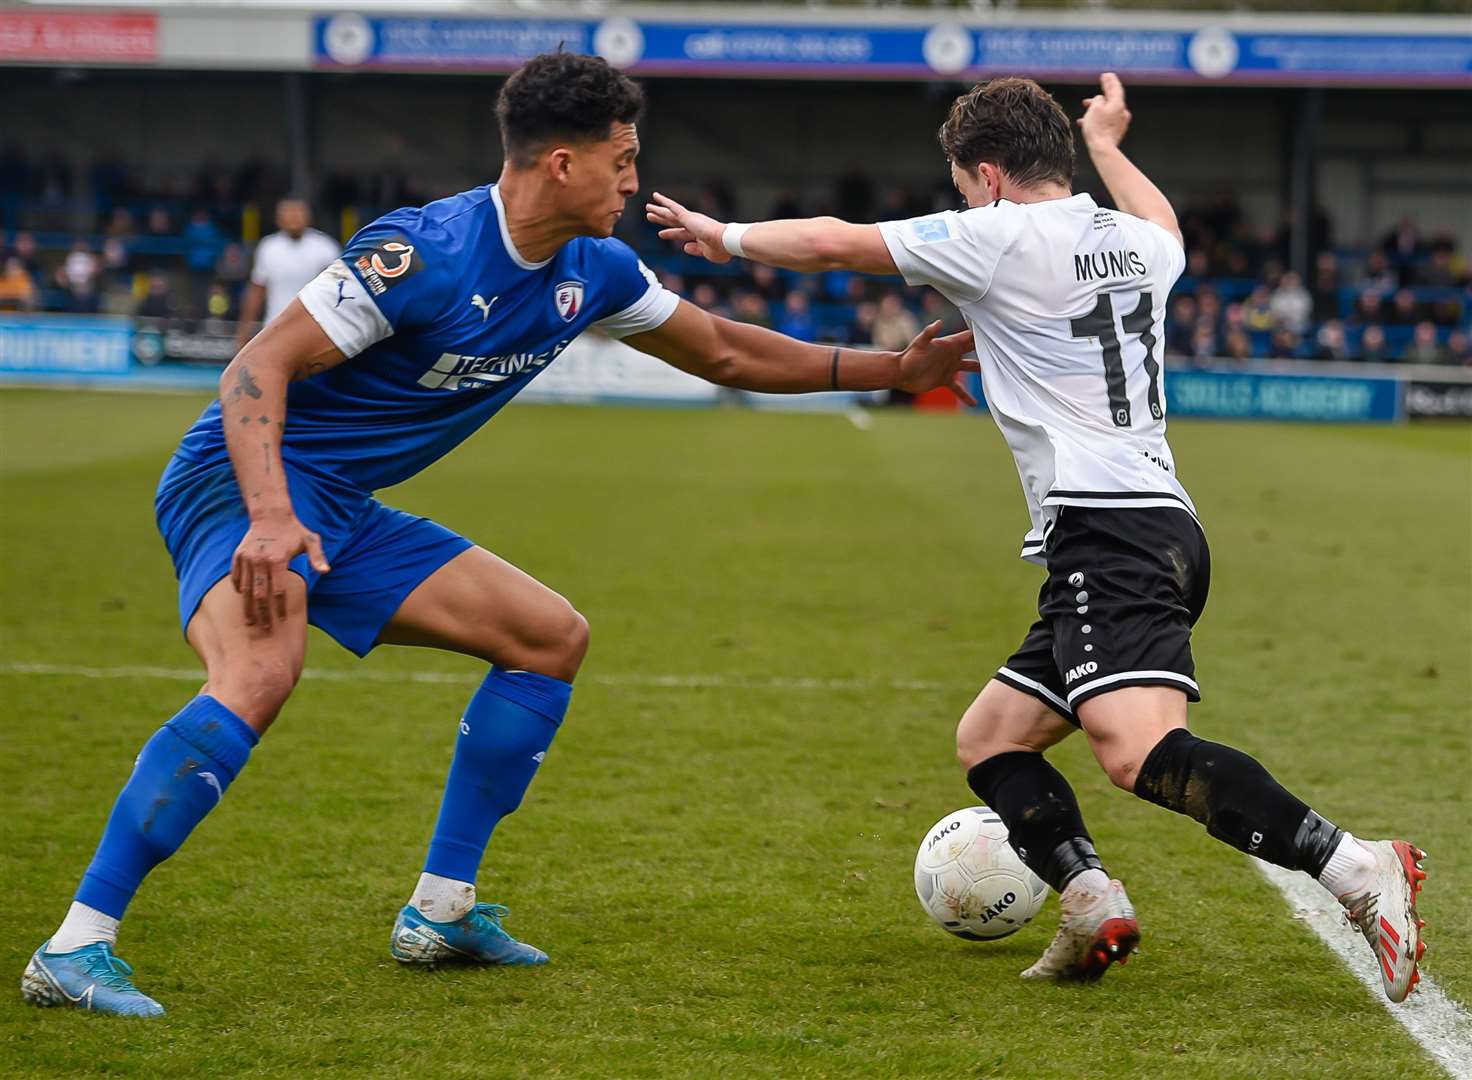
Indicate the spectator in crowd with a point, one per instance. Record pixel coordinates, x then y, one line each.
1424 348
1209 308
24 249
1291 304
1204 344
706 298
1284 344
797 317
1368 307
1379 274
1402 245
285 261
748 307
78 277
1326 287
1402 310
1331 343
1437 271
1458 348
18 290
768 283
1257 311
117 265
203 244
158 303
934 306
861 328
1179 325
232 268
893 323
1374 348
1238 346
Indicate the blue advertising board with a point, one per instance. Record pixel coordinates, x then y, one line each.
65 344
1267 396
854 49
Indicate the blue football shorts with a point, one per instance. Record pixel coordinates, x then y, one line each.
378 555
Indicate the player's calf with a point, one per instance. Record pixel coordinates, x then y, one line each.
1241 804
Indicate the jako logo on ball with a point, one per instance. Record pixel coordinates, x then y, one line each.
974 885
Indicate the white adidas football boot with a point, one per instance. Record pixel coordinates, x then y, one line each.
1385 913
1096 929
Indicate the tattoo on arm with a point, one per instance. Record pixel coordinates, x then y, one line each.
244 382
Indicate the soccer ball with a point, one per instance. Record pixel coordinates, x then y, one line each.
970 880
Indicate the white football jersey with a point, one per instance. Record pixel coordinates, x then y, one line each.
1067 303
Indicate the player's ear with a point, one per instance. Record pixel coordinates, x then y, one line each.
559 164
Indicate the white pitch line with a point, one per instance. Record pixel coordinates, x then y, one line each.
663 682
1441 1025
860 419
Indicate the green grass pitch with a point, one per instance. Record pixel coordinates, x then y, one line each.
717 854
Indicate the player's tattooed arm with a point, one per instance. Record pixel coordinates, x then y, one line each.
253 414
752 358
811 245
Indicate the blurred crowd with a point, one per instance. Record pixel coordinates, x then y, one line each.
177 253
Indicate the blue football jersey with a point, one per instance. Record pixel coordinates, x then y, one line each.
443 322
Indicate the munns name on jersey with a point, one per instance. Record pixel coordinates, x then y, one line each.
1121 262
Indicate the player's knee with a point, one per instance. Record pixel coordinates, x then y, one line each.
557 645
573 640
1121 765
255 693
983 733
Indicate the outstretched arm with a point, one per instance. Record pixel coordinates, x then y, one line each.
807 244
751 358
1104 123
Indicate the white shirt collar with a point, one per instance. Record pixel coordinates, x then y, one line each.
506 233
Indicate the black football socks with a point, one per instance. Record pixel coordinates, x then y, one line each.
1038 807
1237 800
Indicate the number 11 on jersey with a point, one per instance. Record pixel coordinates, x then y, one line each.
1099 323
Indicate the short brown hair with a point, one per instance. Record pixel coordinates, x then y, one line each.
1015 125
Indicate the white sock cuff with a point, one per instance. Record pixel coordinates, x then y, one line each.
442 899
1349 869
83 925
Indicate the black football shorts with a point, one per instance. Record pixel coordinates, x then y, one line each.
1124 588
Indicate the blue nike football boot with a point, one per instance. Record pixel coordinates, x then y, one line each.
475 938
90 978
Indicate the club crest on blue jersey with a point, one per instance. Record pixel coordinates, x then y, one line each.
569 297
387 264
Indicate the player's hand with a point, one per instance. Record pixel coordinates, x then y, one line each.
261 562
1105 118
696 234
931 361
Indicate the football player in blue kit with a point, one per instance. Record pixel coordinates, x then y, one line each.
431 321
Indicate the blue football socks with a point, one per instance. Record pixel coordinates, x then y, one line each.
180 776
504 736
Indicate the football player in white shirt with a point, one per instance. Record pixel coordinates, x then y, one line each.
285 261
1067 302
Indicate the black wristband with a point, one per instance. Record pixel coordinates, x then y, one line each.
833 371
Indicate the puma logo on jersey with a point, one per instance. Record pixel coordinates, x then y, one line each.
1076 673
483 305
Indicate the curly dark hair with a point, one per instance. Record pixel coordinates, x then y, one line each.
563 95
1015 125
